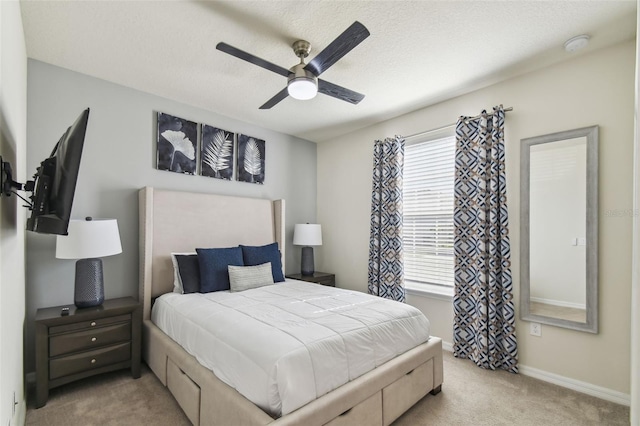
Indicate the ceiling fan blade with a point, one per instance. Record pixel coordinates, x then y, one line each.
241 54
339 47
277 98
339 92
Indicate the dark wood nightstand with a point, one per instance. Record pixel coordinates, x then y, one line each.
86 342
317 277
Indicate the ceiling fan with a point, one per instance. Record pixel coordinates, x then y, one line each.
302 79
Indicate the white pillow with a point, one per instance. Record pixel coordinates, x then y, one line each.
177 281
246 277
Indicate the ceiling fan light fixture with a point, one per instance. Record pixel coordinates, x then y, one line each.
302 84
302 88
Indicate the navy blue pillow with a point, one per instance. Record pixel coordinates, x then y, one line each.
214 274
189 269
257 255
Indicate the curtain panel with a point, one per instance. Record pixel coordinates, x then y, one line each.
484 314
386 270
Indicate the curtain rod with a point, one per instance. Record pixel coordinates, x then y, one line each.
451 125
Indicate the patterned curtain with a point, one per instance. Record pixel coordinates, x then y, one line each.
386 270
484 324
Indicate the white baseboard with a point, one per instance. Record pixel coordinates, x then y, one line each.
566 382
21 414
577 385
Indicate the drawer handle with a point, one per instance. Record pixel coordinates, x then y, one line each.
93 339
93 323
346 412
93 361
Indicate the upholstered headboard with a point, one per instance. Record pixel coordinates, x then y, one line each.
174 221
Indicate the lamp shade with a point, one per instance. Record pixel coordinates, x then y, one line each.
307 234
90 238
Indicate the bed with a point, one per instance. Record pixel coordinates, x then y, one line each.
172 221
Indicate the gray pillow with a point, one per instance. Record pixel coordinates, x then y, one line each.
246 277
177 277
189 269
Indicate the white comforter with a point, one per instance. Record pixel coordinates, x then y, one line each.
284 345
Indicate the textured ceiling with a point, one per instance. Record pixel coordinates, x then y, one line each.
419 52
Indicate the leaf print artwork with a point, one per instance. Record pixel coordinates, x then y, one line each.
217 153
252 164
251 159
180 144
177 138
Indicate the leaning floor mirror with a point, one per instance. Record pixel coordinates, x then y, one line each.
559 229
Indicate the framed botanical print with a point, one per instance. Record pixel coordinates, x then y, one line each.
251 159
216 158
176 144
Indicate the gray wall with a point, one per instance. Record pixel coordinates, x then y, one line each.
119 158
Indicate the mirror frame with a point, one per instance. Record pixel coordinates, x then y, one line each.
591 261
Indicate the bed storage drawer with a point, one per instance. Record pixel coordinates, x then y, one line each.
185 391
368 412
406 391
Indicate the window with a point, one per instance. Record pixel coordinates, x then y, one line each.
429 167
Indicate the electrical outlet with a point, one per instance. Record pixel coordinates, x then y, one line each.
535 329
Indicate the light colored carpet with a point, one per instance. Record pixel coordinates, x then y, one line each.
474 396
470 396
110 399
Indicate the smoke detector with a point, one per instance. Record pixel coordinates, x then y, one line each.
576 43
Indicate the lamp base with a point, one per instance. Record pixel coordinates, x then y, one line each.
89 286
307 267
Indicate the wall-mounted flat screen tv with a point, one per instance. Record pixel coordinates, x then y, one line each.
55 181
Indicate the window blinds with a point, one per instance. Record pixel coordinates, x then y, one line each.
428 211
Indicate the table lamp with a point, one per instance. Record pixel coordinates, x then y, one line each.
88 240
307 234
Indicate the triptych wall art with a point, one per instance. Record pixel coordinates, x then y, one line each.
180 150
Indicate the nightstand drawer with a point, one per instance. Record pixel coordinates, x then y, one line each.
89 339
83 361
88 324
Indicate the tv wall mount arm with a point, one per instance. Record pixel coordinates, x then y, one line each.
9 186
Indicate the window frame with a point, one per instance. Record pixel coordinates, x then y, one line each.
432 290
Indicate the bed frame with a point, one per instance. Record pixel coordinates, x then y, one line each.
173 221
